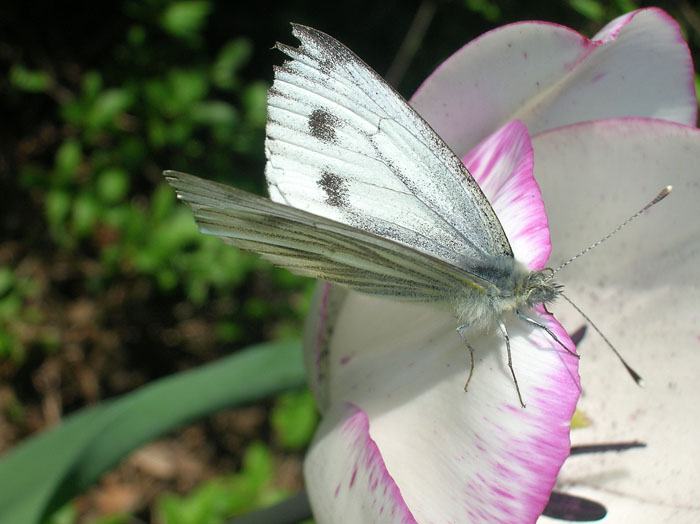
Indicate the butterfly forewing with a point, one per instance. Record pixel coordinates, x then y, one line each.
318 247
341 143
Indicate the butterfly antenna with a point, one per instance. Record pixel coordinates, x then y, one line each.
636 376
658 198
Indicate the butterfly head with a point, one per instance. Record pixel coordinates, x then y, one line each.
539 288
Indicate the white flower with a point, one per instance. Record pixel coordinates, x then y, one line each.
400 440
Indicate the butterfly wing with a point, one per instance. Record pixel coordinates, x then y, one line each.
341 143
318 247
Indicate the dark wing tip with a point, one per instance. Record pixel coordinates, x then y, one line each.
314 37
301 31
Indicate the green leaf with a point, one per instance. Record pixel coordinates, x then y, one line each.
162 202
177 93
30 81
7 280
294 419
112 185
57 206
229 331
133 153
185 19
10 306
107 106
86 211
136 35
591 9
51 468
488 9
233 55
92 85
187 87
257 465
68 159
214 113
255 103
68 514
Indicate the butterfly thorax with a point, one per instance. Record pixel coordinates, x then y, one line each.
512 287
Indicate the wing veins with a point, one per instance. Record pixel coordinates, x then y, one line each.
415 193
216 199
324 63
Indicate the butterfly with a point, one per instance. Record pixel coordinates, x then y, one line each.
366 195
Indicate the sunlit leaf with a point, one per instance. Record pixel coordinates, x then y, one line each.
29 80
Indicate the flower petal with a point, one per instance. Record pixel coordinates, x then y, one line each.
346 474
502 165
456 456
548 76
643 289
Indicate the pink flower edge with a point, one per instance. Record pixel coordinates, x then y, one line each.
562 78
502 164
364 484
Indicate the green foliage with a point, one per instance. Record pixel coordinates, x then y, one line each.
29 80
119 127
591 9
294 419
15 294
68 514
232 57
185 19
213 501
488 9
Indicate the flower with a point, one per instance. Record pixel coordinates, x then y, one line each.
400 440
643 289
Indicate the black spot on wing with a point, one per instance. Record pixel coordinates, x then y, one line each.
322 125
335 188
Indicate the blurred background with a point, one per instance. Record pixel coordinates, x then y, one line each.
105 283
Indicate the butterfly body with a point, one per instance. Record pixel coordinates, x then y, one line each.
512 288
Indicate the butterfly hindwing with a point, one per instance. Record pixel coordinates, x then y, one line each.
318 247
341 143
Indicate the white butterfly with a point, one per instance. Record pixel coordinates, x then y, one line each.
373 199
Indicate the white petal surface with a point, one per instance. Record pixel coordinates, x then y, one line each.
548 76
643 288
455 456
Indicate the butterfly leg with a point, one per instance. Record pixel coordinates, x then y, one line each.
502 327
471 354
549 331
